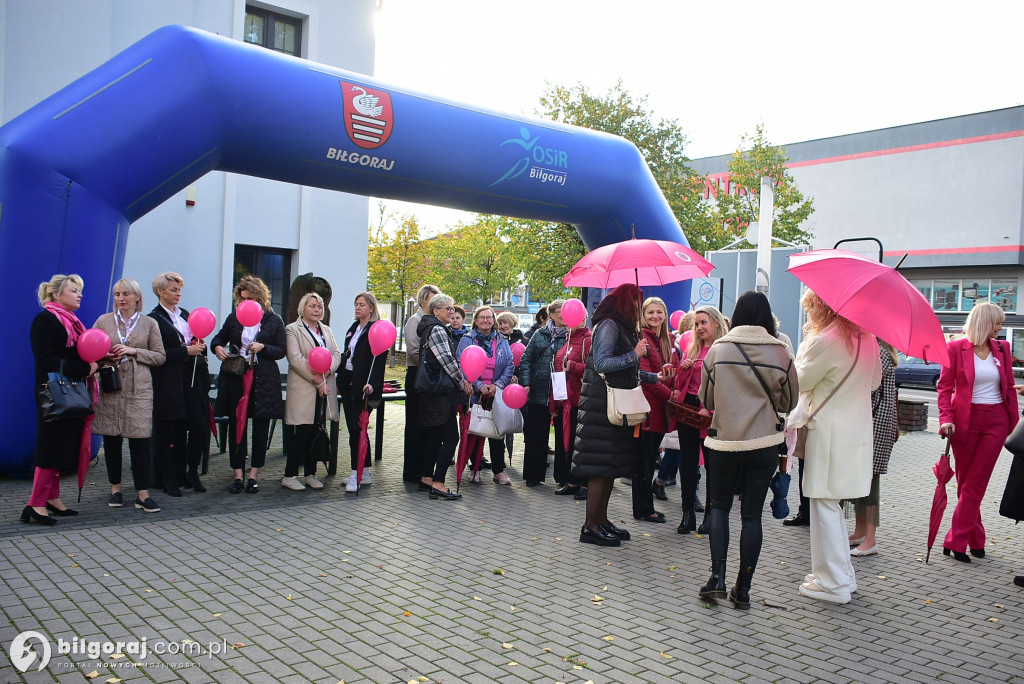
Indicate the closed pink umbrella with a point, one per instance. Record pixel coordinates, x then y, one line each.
943 473
463 455
364 442
876 297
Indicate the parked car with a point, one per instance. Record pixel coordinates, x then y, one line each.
914 371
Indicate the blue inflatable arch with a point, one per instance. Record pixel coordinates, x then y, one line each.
77 169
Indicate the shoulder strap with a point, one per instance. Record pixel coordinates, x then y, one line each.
836 388
782 423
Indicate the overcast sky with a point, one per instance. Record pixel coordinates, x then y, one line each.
806 69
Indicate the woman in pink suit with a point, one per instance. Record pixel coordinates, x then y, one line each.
977 410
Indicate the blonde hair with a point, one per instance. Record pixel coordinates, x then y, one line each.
686 322
305 299
508 316
372 301
131 286
425 293
255 287
49 291
663 337
164 280
477 313
439 301
820 315
982 320
722 327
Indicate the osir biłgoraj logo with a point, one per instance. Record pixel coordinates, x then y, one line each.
23 651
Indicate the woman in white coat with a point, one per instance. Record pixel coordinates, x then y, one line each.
837 367
307 390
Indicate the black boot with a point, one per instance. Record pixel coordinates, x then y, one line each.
715 588
740 594
659 491
192 480
686 524
703 527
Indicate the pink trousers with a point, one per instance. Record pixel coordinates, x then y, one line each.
974 459
45 487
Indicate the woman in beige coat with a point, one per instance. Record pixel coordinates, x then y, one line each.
308 391
836 356
128 412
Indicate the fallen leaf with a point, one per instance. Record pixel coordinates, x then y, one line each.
216 615
407 614
546 649
577 667
71 555
596 598
106 574
346 552
881 576
646 534
512 608
533 539
605 588
92 675
999 605
512 663
423 679
477 598
927 601
671 567
279 529
118 656
75 565
112 680
608 563
289 597
699 536
238 645
506 645
558 539
993 619
323 574
149 591
665 655
608 638
499 571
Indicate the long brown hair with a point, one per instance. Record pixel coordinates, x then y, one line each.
663 336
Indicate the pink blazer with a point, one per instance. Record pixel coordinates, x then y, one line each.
956 384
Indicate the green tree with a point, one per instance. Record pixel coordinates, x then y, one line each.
473 263
396 263
543 253
742 204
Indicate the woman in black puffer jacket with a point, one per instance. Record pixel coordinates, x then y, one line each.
266 343
605 451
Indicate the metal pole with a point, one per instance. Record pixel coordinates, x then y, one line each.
764 235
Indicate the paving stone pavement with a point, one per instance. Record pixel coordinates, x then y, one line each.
390 586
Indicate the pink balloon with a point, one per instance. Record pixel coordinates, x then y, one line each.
382 335
201 322
249 313
473 361
514 396
573 312
320 360
518 349
93 345
674 319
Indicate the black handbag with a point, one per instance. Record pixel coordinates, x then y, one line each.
61 398
110 381
1012 504
234 365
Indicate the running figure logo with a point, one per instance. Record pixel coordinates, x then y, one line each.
522 164
369 117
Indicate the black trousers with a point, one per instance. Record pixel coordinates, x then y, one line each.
439 444
536 428
138 447
643 497
260 437
496 447
179 443
753 470
413 462
805 504
690 446
563 458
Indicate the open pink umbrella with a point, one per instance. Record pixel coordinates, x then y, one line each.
641 262
943 473
876 297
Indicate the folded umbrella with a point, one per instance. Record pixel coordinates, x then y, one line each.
364 442
463 454
85 440
780 491
876 297
943 473
242 409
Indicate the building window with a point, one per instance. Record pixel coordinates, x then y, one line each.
273 31
272 266
963 294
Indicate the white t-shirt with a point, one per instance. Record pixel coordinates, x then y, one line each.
987 385
352 346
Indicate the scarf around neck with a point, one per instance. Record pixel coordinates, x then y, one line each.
486 341
72 325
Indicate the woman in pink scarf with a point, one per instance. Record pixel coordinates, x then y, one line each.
54 335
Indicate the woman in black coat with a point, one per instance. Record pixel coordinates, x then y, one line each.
356 385
263 344
605 451
54 334
181 391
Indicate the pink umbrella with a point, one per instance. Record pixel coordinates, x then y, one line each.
943 473
876 297
364 442
647 262
242 409
463 455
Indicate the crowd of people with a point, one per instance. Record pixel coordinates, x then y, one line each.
728 394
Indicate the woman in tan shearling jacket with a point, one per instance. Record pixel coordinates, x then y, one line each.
308 391
136 346
748 380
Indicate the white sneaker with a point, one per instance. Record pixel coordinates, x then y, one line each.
810 577
351 485
367 476
474 476
816 591
313 483
292 483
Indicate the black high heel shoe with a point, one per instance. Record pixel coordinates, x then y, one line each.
978 553
63 513
30 515
958 555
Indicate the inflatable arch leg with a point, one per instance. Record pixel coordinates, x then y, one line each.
77 169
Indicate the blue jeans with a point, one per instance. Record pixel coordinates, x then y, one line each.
670 461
